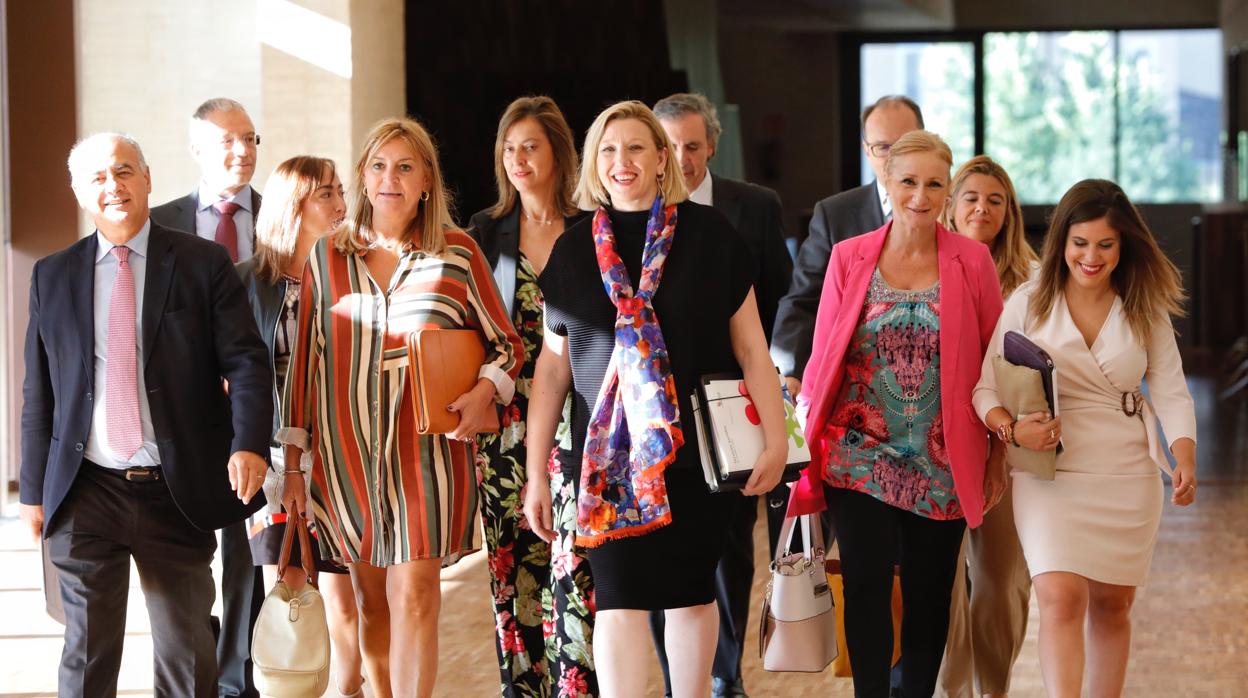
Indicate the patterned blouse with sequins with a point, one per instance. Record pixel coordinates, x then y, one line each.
885 436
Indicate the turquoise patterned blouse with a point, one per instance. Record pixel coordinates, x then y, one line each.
885 435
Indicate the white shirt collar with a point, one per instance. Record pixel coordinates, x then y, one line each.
885 205
137 244
242 197
702 195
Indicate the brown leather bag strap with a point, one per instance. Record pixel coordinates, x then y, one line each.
293 522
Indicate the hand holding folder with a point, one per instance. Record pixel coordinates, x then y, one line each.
1027 383
442 365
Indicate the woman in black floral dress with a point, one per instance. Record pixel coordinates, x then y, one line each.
543 594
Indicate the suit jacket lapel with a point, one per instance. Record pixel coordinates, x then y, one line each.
952 285
875 210
82 293
508 256
188 211
726 200
160 263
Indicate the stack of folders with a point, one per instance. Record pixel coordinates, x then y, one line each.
730 433
1027 383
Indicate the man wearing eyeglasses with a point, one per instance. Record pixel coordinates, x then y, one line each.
836 218
223 208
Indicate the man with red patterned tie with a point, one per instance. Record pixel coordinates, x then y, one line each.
131 448
223 208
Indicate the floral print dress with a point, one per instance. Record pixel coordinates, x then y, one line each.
543 593
885 436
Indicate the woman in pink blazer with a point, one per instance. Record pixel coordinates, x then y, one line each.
897 450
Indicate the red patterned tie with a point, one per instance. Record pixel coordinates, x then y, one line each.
227 232
121 392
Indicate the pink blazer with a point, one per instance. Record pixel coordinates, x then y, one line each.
970 301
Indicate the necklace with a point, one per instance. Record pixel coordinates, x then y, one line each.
538 221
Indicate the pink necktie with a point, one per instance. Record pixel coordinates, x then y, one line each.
227 232
121 392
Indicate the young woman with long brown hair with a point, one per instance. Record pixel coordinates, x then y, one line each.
1101 308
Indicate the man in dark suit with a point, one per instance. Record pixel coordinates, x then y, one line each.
131 447
853 212
223 208
692 126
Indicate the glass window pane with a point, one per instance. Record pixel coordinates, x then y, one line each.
938 75
1049 103
1170 115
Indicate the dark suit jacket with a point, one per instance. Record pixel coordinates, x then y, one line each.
499 239
197 329
266 302
179 214
756 214
836 218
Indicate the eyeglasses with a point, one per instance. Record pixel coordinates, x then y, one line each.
878 150
250 140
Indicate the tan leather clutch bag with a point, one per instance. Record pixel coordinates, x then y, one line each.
443 364
1021 391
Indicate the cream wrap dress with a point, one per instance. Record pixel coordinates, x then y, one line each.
1099 517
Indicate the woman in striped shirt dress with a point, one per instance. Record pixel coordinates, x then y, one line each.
395 506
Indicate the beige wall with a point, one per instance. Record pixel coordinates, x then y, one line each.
144 66
76 67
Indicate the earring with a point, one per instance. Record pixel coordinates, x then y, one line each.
425 196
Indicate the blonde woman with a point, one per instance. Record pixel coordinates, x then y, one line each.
1101 308
643 298
986 631
304 202
394 505
896 458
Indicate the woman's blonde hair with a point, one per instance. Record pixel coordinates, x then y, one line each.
546 113
1010 250
918 141
433 216
281 218
1145 278
590 193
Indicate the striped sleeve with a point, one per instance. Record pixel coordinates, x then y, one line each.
504 352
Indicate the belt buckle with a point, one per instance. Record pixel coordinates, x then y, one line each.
1136 399
142 474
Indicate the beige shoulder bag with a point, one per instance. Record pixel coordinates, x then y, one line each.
290 645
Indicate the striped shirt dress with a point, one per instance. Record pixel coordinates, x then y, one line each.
381 493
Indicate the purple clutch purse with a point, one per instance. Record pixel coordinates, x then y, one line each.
1021 351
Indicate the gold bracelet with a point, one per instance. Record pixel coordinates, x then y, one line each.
293 472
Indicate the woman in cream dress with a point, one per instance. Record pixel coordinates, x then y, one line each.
1101 308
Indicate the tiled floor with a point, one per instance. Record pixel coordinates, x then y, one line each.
1189 637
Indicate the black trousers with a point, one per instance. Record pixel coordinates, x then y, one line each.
103 523
873 537
242 593
734 577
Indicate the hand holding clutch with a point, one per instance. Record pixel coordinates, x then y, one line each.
476 411
1037 432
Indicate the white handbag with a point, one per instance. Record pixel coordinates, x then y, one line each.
290 645
798 627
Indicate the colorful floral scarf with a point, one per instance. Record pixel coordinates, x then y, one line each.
634 430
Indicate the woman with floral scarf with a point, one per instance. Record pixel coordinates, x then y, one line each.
644 297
